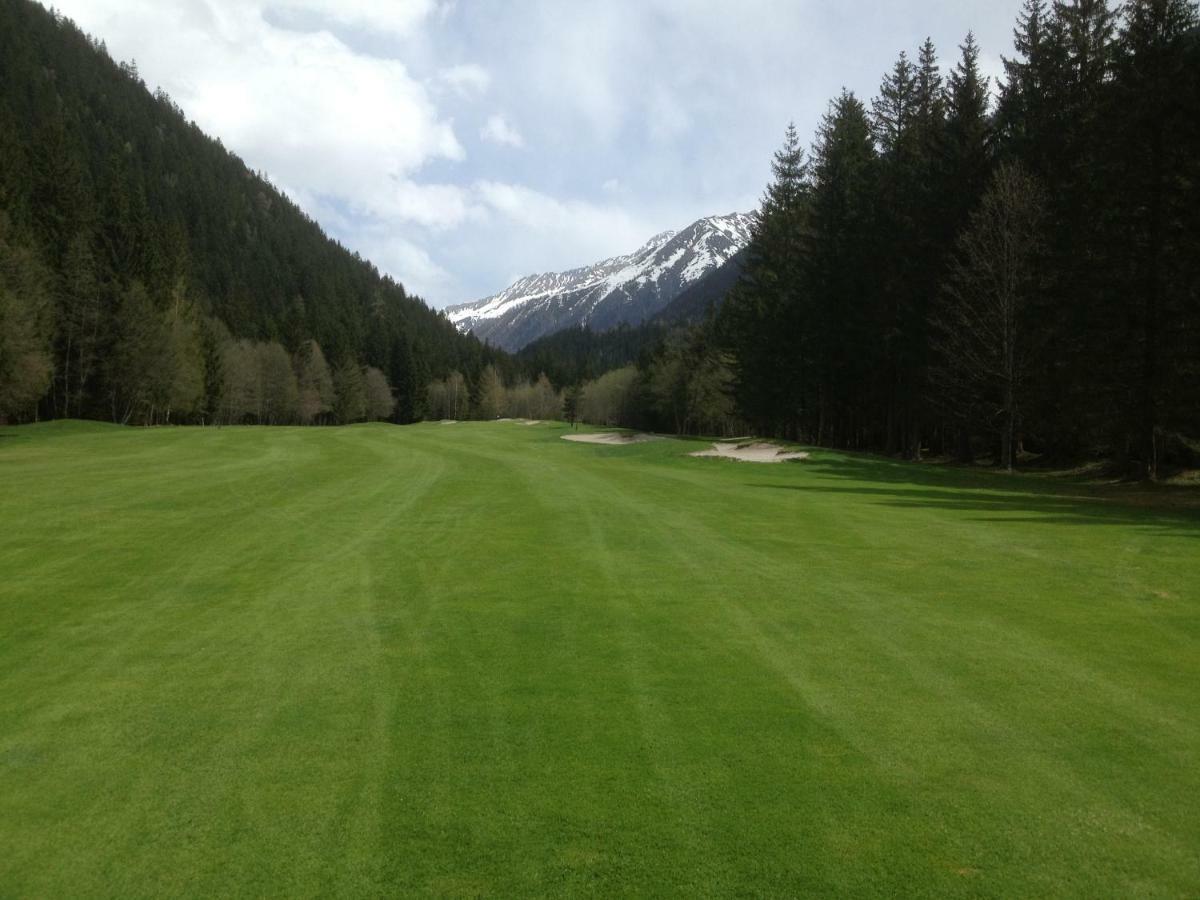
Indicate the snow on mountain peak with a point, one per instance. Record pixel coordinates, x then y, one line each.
628 288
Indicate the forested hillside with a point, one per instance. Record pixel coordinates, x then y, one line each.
984 270
147 275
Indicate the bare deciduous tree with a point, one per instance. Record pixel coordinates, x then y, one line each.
492 399
980 322
380 402
314 382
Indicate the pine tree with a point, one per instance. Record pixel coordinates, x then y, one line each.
1154 184
26 326
350 393
841 272
763 319
892 112
80 320
140 366
213 336
185 395
1030 81
908 120
967 159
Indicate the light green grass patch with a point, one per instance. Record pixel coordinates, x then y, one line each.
483 661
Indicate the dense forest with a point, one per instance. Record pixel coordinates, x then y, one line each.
1008 271
146 275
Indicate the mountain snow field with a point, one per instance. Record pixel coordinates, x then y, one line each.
623 289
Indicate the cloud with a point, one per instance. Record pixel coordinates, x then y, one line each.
634 115
301 105
498 130
396 17
590 227
466 80
391 253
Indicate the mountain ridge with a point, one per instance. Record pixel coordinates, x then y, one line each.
629 288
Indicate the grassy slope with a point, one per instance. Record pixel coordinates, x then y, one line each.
476 659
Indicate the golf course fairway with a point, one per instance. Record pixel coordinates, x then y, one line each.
478 660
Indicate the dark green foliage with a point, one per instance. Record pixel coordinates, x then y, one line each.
571 401
350 393
26 326
982 326
841 278
1100 107
110 186
575 355
1153 115
763 320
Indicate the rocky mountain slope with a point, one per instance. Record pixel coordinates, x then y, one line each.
629 288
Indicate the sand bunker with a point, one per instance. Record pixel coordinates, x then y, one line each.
612 438
758 452
448 422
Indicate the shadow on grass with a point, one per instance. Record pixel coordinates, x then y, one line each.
1002 498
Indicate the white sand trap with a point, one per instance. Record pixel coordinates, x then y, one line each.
448 422
617 438
758 452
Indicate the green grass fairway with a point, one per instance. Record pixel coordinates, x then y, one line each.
477 660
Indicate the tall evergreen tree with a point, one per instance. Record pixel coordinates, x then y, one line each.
80 318
966 151
764 318
1153 184
840 262
26 327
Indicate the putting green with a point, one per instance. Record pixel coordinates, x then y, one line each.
481 660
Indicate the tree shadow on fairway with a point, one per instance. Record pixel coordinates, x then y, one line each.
1002 498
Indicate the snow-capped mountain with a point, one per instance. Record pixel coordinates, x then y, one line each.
628 288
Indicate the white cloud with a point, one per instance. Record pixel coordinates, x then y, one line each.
301 105
466 80
396 17
667 115
422 276
576 228
434 206
499 130
649 113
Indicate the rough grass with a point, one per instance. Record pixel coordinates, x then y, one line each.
484 661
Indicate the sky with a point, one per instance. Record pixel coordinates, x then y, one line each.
462 144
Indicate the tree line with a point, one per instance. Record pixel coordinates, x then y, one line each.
147 275
970 272
490 396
